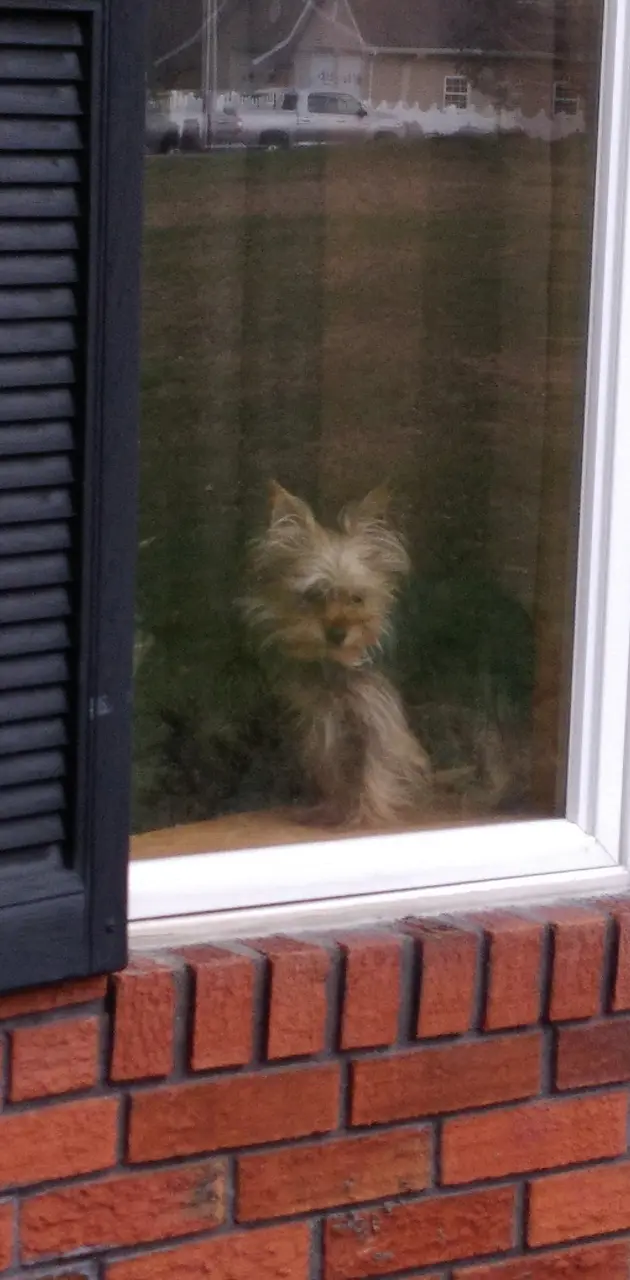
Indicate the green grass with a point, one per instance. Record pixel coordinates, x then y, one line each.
331 318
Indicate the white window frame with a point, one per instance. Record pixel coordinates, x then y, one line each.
563 96
305 885
453 93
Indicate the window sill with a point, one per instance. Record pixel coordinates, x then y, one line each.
261 890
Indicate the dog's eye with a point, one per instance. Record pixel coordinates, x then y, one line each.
356 599
314 595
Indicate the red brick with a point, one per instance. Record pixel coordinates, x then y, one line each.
424 1082
223 1021
319 1176
58 1141
579 936
7 1234
233 1111
590 1262
298 996
380 1241
589 1202
66 1275
448 977
597 1054
55 997
514 971
371 998
543 1135
55 1057
124 1210
144 1021
621 992
273 1253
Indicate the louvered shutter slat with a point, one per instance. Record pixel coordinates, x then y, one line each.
42 637
32 767
20 406
36 304
34 606
47 371
35 437
23 338
33 571
37 504
53 170
38 237
25 673
38 202
18 802
31 735
39 135
28 473
31 832
50 700
23 539
40 269
32 31
39 64
39 100
41 226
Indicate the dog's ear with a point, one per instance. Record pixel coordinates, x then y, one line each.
284 506
372 508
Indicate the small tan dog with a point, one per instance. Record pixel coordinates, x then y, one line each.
320 601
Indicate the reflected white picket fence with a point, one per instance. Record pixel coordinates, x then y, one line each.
430 121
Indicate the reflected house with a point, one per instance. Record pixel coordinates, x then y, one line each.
443 64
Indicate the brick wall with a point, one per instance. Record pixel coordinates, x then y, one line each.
445 1099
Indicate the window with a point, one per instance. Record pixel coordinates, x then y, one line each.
266 99
321 325
322 103
334 104
382 633
456 91
347 105
565 100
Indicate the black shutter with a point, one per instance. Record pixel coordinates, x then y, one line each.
71 120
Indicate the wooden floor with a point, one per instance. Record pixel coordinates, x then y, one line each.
259 830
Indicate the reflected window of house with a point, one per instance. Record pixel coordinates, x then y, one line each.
456 91
565 100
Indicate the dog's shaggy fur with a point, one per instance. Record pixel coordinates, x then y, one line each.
320 601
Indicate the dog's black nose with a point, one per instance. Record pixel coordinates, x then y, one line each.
335 635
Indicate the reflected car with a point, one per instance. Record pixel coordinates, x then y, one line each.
276 118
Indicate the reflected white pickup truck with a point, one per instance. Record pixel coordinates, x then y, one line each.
288 117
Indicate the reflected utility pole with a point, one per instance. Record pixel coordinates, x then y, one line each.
209 63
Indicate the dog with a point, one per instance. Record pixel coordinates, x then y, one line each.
320 602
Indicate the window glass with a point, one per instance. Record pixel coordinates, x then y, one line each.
322 102
565 100
364 356
456 92
347 105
